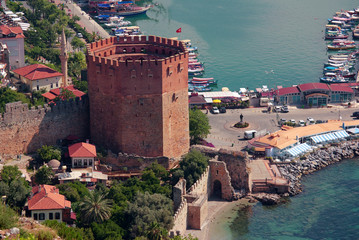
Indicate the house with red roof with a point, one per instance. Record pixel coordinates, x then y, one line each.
13 37
82 155
39 76
314 94
57 91
46 203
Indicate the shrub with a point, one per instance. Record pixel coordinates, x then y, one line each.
45 235
205 143
8 217
69 233
241 125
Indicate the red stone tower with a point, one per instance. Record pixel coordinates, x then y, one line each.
138 90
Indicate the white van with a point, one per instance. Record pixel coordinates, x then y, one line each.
250 134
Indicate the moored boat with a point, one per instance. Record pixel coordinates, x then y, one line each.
125 8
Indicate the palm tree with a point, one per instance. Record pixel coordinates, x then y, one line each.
95 207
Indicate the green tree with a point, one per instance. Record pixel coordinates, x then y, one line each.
159 171
18 193
76 62
64 95
4 189
7 96
156 232
77 43
198 125
193 164
47 153
146 209
73 191
95 208
44 175
81 85
10 173
107 230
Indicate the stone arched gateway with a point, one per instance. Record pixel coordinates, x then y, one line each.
217 188
220 179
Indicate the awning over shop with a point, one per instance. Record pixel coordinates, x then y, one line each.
341 134
353 130
299 149
324 137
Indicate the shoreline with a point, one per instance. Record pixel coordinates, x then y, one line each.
312 162
218 210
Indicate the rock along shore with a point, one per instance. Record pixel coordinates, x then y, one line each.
317 160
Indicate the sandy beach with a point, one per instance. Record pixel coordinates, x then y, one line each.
219 212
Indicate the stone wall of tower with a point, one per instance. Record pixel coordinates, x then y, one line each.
139 105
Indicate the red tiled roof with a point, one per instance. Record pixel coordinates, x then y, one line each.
78 93
36 72
82 150
6 30
340 88
56 92
311 86
47 197
49 95
287 90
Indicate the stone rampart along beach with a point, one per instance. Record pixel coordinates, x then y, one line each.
316 160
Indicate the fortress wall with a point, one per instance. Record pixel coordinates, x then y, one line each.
24 130
202 185
236 162
180 219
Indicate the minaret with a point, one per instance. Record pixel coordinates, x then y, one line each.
63 57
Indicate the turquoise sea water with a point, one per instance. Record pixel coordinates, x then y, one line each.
327 209
250 43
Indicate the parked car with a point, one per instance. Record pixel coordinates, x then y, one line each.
79 35
282 120
320 121
222 110
285 109
277 108
215 110
292 121
301 123
310 120
355 114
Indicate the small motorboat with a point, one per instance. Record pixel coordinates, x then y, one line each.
336 79
196 80
117 22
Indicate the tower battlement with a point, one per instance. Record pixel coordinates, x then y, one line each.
143 82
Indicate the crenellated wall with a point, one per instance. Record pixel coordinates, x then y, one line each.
202 185
24 130
138 88
196 198
180 219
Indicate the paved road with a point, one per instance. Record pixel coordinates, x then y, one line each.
85 20
224 135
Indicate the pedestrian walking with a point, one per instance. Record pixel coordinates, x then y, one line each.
241 117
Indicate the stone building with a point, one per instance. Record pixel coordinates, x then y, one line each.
39 76
46 203
138 90
13 37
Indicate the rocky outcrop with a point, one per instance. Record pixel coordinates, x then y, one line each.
316 160
267 198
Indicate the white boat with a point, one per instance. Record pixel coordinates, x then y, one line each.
117 22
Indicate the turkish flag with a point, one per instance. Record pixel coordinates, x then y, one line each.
179 30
